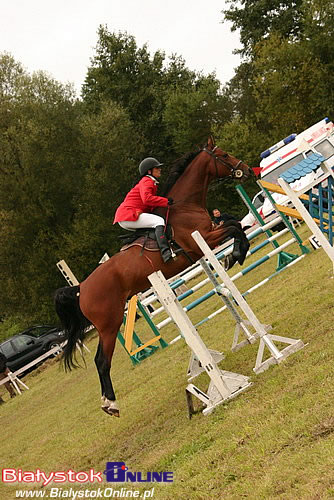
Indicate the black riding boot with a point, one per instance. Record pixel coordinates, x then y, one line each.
240 249
162 241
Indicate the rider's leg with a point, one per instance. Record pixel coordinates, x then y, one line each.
144 220
162 241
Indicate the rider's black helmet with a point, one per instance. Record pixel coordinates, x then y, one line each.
147 164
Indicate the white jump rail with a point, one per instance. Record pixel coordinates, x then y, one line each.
148 297
238 275
13 376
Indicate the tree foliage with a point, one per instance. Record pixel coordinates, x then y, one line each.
191 113
149 88
111 155
258 19
39 172
287 69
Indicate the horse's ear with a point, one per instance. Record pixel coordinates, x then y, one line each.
211 142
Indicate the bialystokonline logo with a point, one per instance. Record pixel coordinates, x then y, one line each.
118 472
115 472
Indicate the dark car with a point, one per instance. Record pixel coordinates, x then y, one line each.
28 345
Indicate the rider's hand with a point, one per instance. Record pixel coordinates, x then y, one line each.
170 201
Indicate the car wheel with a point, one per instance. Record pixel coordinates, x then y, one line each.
58 351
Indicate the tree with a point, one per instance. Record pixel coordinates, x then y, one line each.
257 20
111 148
319 33
152 89
285 82
129 76
39 172
239 94
191 113
290 87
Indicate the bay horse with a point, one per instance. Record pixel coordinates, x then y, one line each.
101 298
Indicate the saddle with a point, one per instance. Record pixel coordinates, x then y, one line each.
146 239
146 233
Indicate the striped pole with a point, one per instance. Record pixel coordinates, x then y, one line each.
219 256
191 272
235 277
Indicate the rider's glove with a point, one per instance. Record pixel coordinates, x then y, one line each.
170 201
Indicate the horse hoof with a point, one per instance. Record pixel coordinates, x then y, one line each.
241 260
111 411
109 407
229 262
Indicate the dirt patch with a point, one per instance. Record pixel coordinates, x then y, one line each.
324 429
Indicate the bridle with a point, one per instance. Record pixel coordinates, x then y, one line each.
236 172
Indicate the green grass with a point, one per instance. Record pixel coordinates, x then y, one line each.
276 440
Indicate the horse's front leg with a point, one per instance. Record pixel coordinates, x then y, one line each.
217 236
231 229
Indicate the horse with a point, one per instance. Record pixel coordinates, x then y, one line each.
101 298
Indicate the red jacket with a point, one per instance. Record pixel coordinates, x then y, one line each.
141 199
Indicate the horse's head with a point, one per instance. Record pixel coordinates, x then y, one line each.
224 164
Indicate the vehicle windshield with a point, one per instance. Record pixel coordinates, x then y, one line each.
258 200
274 174
7 350
325 148
37 331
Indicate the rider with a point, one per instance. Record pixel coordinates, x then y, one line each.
136 210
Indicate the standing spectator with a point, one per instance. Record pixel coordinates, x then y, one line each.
219 218
3 374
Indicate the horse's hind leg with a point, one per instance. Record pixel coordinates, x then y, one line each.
108 335
103 362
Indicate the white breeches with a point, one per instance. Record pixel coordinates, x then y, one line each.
144 220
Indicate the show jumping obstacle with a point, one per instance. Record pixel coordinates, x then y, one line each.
266 339
320 198
285 260
223 385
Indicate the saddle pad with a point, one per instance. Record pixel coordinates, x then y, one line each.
150 245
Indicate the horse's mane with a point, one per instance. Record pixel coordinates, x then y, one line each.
177 169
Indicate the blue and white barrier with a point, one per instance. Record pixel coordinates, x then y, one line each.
238 275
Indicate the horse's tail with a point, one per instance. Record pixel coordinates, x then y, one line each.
72 320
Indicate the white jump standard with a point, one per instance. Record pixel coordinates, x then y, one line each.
241 324
223 385
266 339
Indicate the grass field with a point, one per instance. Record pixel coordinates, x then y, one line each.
276 440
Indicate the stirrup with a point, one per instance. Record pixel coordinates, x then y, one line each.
166 255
